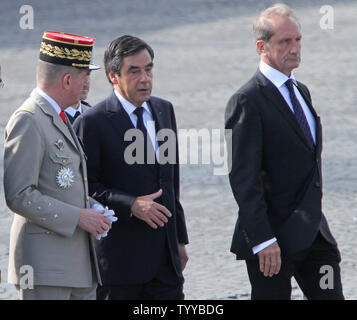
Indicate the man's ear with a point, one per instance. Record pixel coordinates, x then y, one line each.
260 46
66 81
113 77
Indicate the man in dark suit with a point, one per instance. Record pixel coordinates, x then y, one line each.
281 231
144 255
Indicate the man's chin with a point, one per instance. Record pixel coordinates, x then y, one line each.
294 63
84 96
291 66
145 97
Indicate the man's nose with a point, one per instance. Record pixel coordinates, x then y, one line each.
295 47
144 77
87 82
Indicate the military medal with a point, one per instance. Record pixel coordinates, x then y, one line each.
65 178
59 144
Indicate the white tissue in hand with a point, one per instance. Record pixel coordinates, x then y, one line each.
97 206
109 214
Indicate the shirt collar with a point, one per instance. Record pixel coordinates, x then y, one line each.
52 102
72 111
128 106
275 76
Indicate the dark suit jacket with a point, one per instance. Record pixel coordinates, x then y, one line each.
275 176
132 252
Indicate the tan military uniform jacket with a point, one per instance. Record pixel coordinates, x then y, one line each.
45 184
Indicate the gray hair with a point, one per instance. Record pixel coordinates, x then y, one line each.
50 73
262 28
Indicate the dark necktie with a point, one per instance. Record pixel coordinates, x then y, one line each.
77 114
71 119
149 154
299 114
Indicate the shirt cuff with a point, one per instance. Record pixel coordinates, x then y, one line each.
263 245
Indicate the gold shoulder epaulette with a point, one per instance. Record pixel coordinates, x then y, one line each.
25 110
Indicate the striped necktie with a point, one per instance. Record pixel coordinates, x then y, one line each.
299 114
149 152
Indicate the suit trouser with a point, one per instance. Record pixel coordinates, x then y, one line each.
315 269
155 289
166 285
57 293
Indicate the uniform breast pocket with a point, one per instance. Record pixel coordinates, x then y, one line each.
66 168
61 159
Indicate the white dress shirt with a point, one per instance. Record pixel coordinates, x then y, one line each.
148 119
278 79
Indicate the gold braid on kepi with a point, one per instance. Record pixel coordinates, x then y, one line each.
67 49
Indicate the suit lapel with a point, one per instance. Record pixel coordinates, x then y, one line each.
74 137
158 114
118 117
273 94
117 114
160 117
316 116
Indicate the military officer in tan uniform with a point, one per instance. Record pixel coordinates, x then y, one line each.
45 180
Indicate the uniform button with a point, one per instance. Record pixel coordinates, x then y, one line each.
317 184
48 232
87 198
85 179
64 161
